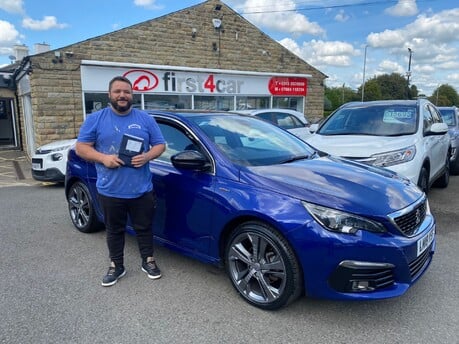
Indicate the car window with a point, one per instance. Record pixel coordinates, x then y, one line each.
448 116
251 142
435 114
287 121
176 141
375 120
428 119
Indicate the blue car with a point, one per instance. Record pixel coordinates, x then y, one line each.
283 219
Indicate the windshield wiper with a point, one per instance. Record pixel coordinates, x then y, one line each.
295 158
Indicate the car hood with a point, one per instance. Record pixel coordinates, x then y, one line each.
359 146
56 145
338 183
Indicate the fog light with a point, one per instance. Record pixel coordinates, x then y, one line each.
57 157
361 286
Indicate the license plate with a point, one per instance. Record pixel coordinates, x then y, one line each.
425 241
36 166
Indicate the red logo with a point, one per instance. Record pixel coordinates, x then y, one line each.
288 86
142 80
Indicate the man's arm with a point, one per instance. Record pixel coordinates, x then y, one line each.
88 152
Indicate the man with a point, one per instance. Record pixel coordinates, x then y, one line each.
124 185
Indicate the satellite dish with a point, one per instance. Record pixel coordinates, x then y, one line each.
12 57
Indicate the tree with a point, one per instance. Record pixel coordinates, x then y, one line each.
372 90
339 95
388 86
445 95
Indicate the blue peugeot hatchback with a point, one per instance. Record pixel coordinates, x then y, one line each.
282 219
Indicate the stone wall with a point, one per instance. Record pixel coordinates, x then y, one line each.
167 40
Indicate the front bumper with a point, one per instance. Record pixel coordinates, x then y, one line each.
49 175
362 267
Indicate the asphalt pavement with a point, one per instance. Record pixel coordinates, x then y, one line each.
15 168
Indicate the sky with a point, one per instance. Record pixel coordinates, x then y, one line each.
348 40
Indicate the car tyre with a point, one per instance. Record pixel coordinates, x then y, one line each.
443 181
423 180
262 266
81 209
454 167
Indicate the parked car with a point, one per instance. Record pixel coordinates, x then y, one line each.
291 120
238 192
50 160
450 115
406 136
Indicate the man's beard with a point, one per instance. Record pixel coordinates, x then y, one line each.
119 108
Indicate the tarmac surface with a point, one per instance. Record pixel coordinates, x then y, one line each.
15 169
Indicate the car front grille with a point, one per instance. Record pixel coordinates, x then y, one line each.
418 265
408 222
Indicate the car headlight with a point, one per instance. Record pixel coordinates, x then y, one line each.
342 222
394 157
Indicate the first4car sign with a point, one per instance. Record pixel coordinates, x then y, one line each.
193 81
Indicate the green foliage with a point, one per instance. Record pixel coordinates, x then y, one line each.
387 86
445 95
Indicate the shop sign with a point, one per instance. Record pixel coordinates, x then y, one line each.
288 86
146 80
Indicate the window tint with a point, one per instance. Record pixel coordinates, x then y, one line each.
428 119
176 141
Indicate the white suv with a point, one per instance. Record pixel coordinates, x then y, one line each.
406 136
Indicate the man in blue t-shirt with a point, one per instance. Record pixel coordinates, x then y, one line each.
124 185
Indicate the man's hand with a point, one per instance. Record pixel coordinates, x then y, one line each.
140 160
112 161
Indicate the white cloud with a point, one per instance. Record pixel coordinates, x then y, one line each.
279 16
342 17
441 27
403 8
148 4
48 22
8 33
322 53
12 6
389 67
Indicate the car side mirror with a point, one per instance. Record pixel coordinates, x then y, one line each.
437 129
313 127
190 160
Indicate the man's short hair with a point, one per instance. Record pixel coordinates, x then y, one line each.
119 78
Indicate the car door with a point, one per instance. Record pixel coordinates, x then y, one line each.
184 198
437 144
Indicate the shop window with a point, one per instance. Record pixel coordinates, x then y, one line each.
247 103
97 101
166 102
213 103
294 103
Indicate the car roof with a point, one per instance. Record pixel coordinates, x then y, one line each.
406 102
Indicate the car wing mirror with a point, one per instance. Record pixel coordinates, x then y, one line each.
190 160
313 127
438 129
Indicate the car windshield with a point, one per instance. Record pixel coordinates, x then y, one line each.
375 120
448 116
250 141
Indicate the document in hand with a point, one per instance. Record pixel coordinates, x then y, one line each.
130 146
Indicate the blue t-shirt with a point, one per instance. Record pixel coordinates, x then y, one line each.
105 129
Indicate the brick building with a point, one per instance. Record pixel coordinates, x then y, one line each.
204 57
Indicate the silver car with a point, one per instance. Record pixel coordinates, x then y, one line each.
450 115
